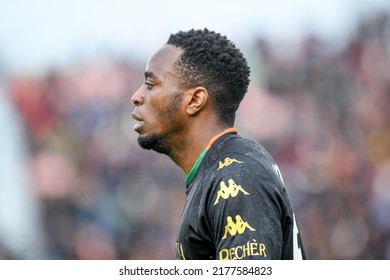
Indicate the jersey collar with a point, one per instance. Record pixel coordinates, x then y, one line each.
201 156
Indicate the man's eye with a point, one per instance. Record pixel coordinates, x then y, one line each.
149 85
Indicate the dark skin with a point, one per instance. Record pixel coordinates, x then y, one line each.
173 120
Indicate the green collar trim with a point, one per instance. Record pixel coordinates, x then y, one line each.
195 167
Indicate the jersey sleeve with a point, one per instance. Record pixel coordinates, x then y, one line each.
246 209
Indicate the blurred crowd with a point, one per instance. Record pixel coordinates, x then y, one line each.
77 186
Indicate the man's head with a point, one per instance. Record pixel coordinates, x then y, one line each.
212 61
197 73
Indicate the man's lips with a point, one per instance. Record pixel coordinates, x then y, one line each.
139 120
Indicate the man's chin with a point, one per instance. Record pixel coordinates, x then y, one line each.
146 141
154 142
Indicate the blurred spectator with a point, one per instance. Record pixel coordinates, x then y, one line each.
21 235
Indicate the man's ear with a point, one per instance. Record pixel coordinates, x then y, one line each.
196 99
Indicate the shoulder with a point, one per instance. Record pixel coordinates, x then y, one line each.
239 161
247 160
243 147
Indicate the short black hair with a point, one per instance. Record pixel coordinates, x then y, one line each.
210 60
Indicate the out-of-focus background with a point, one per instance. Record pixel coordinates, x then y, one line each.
75 185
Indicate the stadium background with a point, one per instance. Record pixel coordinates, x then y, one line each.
75 185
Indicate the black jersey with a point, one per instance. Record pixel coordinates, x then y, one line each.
236 205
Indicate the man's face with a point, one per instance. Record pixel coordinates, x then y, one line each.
158 102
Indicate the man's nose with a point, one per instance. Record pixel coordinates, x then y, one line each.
138 98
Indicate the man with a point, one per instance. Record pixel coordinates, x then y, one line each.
236 205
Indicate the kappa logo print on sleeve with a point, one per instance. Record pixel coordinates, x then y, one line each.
228 161
232 228
231 190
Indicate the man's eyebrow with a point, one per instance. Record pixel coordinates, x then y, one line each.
149 74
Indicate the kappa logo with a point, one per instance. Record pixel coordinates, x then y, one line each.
229 191
228 161
237 227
